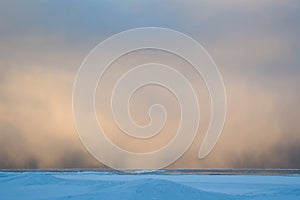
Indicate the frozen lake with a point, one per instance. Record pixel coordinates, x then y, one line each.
110 185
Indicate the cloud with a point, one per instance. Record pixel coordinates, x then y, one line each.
36 121
37 129
255 45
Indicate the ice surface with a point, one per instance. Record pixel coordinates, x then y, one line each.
99 185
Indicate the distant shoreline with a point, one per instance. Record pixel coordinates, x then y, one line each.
218 171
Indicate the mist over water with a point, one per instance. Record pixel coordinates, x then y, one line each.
256 47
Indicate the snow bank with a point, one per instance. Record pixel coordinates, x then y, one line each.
93 185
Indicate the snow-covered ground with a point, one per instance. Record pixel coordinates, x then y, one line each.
99 185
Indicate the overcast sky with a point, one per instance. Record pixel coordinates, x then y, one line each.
255 44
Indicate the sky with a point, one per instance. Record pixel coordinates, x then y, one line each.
255 44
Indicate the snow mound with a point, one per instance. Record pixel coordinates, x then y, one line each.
154 189
93 185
